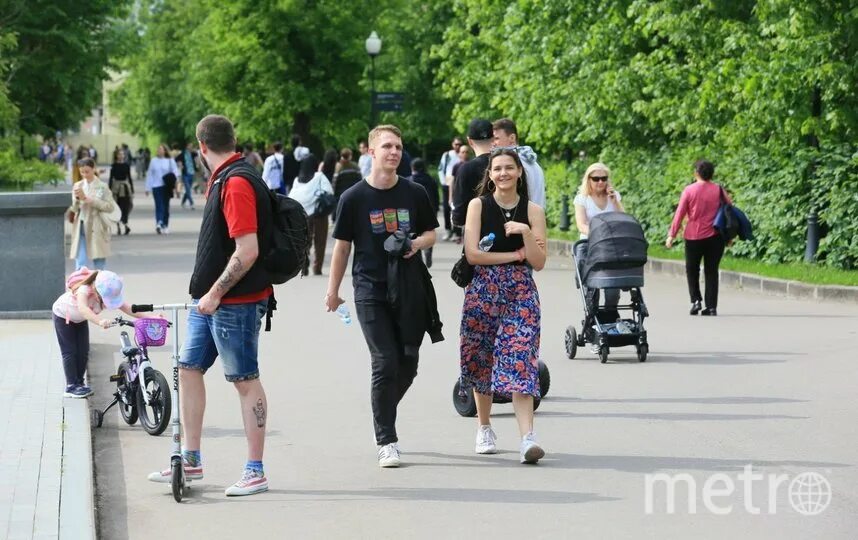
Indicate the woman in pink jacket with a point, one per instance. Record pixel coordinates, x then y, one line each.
700 202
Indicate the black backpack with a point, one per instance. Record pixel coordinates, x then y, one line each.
289 248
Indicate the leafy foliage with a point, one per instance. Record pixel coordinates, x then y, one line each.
59 59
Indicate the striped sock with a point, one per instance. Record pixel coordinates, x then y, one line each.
192 457
255 466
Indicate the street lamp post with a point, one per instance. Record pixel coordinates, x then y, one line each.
373 48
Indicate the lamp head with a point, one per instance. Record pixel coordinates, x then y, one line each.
373 44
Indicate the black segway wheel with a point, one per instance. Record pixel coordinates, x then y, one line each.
603 354
465 405
571 340
544 379
96 418
178 478
643 350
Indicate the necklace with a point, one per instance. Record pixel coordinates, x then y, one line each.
508 213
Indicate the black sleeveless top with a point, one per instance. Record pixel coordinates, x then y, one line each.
493 219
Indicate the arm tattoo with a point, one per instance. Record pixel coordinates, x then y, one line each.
259 411
234 271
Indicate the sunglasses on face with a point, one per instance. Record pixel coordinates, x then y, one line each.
599 178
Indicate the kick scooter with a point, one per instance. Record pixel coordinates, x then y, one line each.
176 468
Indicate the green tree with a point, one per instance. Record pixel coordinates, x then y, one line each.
60 58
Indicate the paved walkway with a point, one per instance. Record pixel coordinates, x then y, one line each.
44 440
768 383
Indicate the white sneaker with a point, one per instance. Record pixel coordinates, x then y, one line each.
486 440
388 455
165 229
250 482
531 452
166 476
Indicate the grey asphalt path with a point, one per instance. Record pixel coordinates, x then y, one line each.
770 383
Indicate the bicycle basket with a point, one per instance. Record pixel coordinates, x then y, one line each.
150 332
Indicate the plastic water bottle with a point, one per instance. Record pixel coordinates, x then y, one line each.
487 242
344 314
623 327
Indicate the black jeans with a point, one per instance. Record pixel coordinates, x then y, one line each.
445 203
74 347
710 250
124 207
394 365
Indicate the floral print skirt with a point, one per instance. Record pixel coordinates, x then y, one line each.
499 342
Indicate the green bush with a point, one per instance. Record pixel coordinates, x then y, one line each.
24 173
772 186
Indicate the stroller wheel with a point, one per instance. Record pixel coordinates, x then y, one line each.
643 349
571 340
603 354
465 405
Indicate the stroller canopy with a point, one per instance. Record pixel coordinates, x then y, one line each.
616 241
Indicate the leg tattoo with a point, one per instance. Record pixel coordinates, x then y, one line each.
259 411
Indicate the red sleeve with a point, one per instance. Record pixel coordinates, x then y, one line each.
239 207
681 211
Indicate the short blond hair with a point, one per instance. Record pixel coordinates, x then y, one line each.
585 184
378 130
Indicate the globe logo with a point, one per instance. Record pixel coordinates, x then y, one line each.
809 493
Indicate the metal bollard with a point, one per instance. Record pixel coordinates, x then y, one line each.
812 237
564 214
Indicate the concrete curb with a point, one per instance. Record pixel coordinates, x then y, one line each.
77 491
751 282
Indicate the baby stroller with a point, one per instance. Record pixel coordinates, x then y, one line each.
610 261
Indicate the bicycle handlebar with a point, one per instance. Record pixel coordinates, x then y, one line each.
137 308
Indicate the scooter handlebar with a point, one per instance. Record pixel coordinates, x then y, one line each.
137 308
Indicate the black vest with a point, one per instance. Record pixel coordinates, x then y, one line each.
215 247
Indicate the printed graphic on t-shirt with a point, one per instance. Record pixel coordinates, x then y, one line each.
390 220
377 221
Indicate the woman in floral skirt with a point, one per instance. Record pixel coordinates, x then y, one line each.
501 316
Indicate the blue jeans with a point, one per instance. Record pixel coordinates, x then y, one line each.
188 181
81 258
232 333
158 197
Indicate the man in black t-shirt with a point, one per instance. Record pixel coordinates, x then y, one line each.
470 174
367 215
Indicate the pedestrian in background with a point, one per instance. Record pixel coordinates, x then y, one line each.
161 181
445 176
431 185
501 317
306 189
272 169
122 188
91 232
700 202
187 159
365 160
252 157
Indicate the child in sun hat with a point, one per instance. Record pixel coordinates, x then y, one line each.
87 294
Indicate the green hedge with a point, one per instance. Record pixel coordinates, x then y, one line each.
18 173
775 188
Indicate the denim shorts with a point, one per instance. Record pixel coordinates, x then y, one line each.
232 334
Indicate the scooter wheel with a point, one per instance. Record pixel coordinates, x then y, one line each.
178 479
96 418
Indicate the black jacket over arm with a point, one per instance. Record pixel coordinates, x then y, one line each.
411 293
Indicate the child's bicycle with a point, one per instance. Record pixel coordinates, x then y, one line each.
141 390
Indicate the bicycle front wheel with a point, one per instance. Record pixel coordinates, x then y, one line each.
156 415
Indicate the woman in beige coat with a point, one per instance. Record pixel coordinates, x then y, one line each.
92 202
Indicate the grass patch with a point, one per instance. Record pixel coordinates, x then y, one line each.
806 273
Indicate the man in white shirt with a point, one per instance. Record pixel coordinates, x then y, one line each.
445 174
365 161
506 136
272 169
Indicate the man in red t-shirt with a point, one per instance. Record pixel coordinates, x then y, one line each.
231 291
